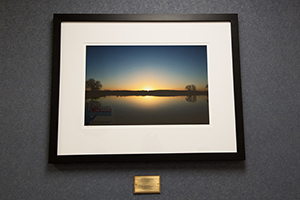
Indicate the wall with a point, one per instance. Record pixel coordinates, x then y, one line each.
269 47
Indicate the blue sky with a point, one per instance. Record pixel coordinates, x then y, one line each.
147 67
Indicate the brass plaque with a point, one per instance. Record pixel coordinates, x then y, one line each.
146 184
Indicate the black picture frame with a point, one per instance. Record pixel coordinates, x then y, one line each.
56 94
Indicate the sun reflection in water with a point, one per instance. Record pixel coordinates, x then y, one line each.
151 101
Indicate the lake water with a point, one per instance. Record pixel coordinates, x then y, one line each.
147 110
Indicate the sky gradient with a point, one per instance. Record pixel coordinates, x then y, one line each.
147 67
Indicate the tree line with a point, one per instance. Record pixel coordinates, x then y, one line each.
94 85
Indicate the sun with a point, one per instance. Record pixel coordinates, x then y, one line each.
147 89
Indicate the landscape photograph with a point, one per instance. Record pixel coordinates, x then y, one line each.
146 85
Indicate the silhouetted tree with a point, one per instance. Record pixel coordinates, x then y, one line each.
190 87
93 85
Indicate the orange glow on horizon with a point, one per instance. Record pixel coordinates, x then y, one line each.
150 88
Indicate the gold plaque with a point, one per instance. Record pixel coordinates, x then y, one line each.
146 184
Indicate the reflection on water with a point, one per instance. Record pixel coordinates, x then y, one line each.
147 110
191 98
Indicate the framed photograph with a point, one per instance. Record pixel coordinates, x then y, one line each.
146 88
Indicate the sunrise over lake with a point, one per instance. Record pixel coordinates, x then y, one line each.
170 82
